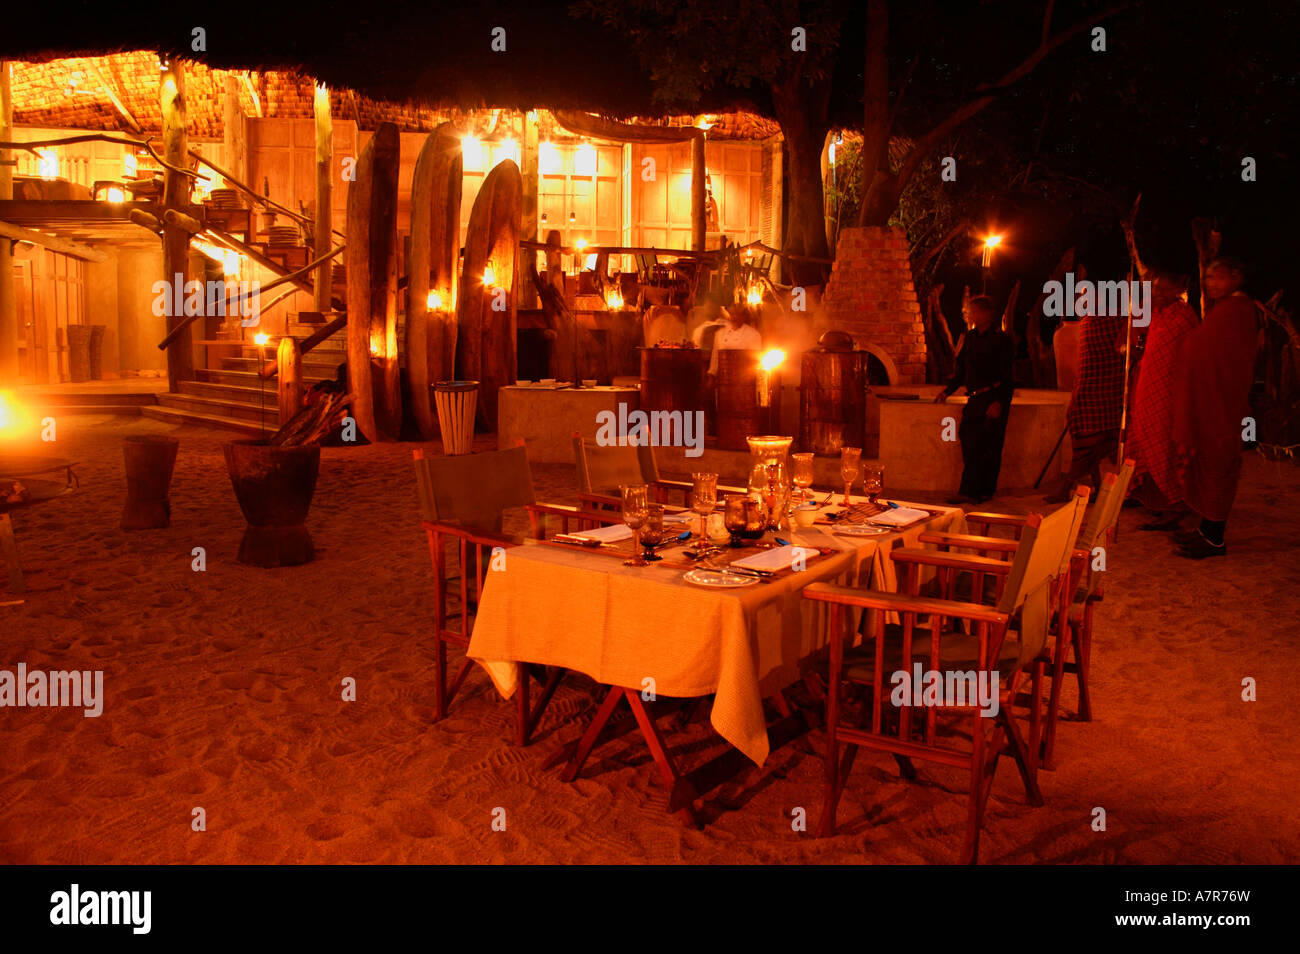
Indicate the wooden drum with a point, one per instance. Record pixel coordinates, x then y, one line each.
832 401
739 413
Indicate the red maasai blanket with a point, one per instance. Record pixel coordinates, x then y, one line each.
1215 369
1099 391
1150 434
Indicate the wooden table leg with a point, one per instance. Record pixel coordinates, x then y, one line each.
592 734
10 548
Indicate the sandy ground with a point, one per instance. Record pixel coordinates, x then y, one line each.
223 691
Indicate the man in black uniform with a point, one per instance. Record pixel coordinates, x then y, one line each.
984 369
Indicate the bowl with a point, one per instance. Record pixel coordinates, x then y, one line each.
588 382
805 516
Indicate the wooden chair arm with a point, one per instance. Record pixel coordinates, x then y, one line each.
953 561
997 519
481 537
899 603
970 542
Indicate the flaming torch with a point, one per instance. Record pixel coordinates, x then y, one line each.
767 370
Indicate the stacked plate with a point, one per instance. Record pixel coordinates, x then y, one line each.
224 199
283 236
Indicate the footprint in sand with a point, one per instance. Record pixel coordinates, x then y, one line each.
327 829
238 680
422 823
139 692
259 750
46 768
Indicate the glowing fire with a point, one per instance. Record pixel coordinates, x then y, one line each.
472 151
434 301
13 417
489 276
755 296
261 338
615 300
993 241
772 359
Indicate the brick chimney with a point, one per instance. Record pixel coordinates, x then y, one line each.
870 295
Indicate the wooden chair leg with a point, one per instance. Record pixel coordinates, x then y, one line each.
553 676
522 709
1035 703
589 737
9 546
1048 760
975 803
1081 673
1020 755
440 681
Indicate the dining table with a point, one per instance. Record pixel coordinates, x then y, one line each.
647 631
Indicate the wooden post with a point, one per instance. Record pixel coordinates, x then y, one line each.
8 299
176 195
233 151
698 173
288 360
532 190
324 209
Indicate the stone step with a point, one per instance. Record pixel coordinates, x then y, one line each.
311 368
249 379
251 394
218 407
176 415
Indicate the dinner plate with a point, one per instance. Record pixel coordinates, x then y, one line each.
861 530
702 577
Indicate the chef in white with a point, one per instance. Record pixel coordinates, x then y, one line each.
736 335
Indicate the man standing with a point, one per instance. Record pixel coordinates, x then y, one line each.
1098 396
1151 425
1216 370
738 335
984 368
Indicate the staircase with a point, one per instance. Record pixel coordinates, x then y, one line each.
232 396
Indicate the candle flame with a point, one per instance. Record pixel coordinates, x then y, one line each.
772 359
261 338
993 241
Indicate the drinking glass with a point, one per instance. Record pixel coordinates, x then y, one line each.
652 530
734 515
636 502
873 480
803 475
850 458
704 497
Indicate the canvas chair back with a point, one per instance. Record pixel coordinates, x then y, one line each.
1042 557
473 490
602 470
1104 515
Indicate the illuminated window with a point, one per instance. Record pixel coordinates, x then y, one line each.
548 158
584 161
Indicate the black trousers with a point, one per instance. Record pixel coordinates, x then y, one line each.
981 447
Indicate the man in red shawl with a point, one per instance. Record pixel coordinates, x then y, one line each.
1150 432
1216 368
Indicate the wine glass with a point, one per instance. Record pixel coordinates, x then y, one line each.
635 505
704 497
803 475
652 531
735 516
756 519
873 480
850 457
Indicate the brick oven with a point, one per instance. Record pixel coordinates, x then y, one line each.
870 295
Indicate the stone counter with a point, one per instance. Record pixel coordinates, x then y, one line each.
546 418
916 456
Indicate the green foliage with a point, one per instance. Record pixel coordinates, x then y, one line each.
689 49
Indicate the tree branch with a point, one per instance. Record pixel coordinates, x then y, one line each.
989 92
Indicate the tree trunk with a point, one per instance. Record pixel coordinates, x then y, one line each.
802 117
881 195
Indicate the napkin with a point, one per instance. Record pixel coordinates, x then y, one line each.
611 534
898 517
775 559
